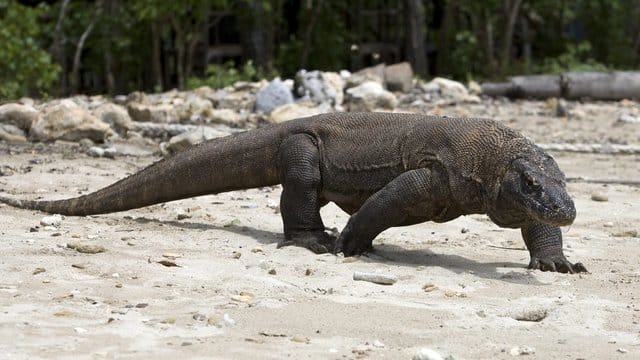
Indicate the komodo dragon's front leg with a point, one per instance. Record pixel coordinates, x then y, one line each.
407 199
300 200
545 247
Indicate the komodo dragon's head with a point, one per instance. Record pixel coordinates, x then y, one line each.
534 188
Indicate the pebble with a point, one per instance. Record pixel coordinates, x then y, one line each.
215 320
51 220
86 248
257 249
182 214
95 151
608 224
228 320
300 339
272 271
38 271
429 287
199 317
80 330
522 350
378 343
382 279
622 351
236 255
599 197
427 354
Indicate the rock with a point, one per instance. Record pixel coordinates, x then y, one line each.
446 87
228 320
399 77
599 197
275 94
426 354
474 87
194 108
12 133
370 96
68 121
199 317
320 87
376 278
228 117
160 113
522 350
95 151
373 73
22 116
237 100
625 119
86 248
293 111
114 115
54 220
187 139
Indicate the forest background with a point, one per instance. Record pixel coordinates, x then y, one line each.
59 48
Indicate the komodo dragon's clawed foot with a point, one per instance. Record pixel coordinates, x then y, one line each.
318 242
557 263
350 246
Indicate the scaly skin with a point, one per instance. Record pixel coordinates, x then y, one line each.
384 169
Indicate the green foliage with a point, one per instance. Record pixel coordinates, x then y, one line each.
27 70
221 75
577 57
464 56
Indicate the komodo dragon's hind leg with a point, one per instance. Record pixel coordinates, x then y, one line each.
300 201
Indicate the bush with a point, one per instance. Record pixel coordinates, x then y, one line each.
27 70
221 75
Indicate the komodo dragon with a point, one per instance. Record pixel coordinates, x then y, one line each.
383 169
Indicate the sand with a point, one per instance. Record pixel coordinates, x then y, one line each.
462 289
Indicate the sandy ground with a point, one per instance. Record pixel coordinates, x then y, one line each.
463 289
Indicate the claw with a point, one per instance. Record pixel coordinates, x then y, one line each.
556 263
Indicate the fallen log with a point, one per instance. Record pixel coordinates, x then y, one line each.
614 85
593 148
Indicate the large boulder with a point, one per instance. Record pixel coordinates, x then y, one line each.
275 94
68 121
22 116
159 113
372 73
116 116
320 87
370 96
399 77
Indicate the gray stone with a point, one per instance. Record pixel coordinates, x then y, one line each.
320 87
373 73
273 95
160 113
370 96
399 77
114 115
12 133
22 116
68 121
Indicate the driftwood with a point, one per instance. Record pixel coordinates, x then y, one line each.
615 85
593 148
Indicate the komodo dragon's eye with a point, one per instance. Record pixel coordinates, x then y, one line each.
531 181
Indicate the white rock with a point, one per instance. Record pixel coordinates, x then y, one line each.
54 220
370 96
80 330
377 343
447 87
522 350
293 111
228 320
68 121
427 354
22 116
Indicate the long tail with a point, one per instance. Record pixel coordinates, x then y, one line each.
240 161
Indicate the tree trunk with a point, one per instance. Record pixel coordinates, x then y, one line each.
77 58
58 47
489 45
109 78
511 8
416 36
156 56
444 47
308 33
180 52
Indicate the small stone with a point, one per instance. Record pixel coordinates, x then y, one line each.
608 224
449 293
141 305
172 256
38 271
79 266
622 351
186 343
182 214
376 278
532 315
86 248
80 330
236 255
257 249
168 321
272 271
52 220
64 313
244 296
199 317
378 343
215 320
429 287
309 272
522 350
118 285
110 153
599 197
300 339
228 320
426 354
464 230
95 151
